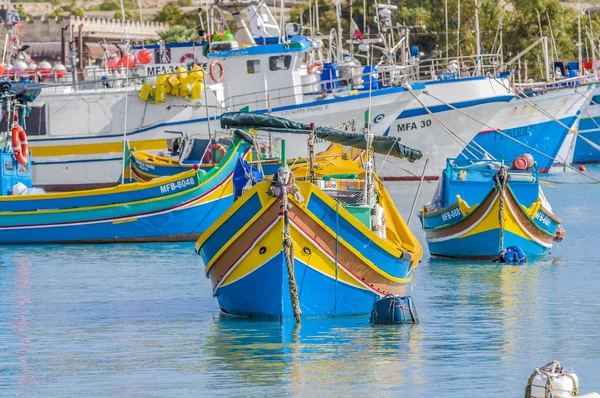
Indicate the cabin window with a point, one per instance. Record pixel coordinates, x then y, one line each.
253 66
9 166
36 122
280 62
595 100
164 57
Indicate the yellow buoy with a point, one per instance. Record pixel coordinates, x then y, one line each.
182 72
197 73
161 79
173 81
145 91
196 91
159 94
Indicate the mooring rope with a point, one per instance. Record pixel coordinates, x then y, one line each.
285 179
515 140
501 178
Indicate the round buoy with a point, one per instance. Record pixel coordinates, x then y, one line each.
196 166
2 68
45 68
59 70
519 163
113 62
31 69
582 168
145 56
129 61
20 68
529 158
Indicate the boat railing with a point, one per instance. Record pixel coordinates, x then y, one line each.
319 89
457 67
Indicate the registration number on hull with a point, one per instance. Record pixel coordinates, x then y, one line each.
177 185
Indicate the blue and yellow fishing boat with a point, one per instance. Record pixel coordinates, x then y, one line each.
193 154
320 239
175 208
483 210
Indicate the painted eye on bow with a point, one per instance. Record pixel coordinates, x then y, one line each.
262 250
306 250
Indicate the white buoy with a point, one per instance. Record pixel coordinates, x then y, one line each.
551 380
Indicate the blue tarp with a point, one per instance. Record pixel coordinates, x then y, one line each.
243 171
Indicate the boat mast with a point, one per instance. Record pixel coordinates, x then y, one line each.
477 38
592 41
579 54
458 33
125 155
447 45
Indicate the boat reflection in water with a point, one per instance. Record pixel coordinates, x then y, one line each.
294 358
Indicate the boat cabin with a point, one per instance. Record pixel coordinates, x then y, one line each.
12 173
473 180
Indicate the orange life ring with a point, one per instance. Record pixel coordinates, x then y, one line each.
211 70
19 144
313 67
214 148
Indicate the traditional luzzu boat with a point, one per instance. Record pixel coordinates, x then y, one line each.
194 153
484 210
175 208
321 238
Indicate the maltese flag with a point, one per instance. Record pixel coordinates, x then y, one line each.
355 31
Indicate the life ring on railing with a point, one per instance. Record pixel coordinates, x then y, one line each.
215 148
19 144
187 56
211 70
315 67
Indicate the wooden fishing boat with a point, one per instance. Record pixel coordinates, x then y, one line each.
194 153
175 208
483 210
321 239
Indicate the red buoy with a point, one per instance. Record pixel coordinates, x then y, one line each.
196 166
113 62
145 56
582 168
519 163
128 61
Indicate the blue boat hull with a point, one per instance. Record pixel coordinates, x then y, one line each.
584 152
546 137
178 225
265 293
485 245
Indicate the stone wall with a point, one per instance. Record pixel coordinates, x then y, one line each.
94 29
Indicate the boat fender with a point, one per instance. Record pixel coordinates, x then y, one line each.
215 148
392 309
19 144
551 380
512 255
560 233
211 70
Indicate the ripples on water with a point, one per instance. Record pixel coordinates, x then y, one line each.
139 320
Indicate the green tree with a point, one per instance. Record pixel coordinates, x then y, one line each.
171 13
77 11
184 3
178 34
129 15
108 5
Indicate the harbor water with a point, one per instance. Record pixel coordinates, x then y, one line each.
139 320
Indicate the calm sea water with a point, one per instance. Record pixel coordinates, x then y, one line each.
139 320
